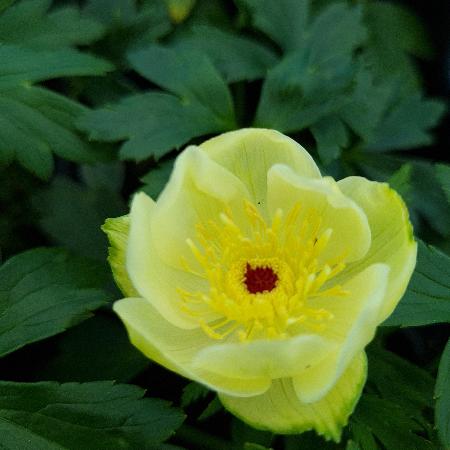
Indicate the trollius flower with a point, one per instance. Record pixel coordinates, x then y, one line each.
264 281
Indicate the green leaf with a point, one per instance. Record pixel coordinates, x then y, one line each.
43 292
83 353
393 425
395 33
363 436
407 123
427 299
22 66
91 416
192 393
443 175
72 213
313 81
34 122
29 23
283 20
442 395
237 57
400 381
189 75
156 179
331 136
131 24
155 122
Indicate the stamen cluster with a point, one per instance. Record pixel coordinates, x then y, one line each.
263 278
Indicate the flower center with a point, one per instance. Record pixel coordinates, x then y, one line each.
260 279
263 278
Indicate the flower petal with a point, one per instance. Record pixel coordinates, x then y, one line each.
280 411
351 232
353 327
175 348
392 236
199 190
266 358
250 153
152 278
117 230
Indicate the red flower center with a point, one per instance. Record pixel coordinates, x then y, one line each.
260 279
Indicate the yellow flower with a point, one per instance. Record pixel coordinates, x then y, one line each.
262 280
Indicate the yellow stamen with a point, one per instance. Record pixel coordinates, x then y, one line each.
285 259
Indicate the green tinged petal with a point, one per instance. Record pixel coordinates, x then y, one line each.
117 230
176 348
280 411
392 237
250 153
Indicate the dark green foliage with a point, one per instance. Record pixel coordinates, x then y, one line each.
71 213
92 416
43 292
427 299
85 86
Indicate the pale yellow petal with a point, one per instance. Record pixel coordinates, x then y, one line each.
352 328
280 411
250 153
323 199
152 278
199 190
392 236
175 348
266 358
117 230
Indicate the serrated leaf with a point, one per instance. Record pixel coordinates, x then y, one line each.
155 123
427 299
29 23
22 66
192 393
312 82
442 395
238 58
283 20
155 180
71 214
92 416
189 75
390 423
406 124
34 123
43 292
